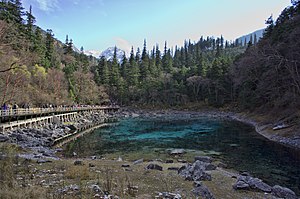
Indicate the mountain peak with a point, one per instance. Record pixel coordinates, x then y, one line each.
109 53
94 53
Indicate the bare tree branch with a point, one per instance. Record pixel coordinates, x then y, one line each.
10 68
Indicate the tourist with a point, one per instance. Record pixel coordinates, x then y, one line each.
4 109
15 108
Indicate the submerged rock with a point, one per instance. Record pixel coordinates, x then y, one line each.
177 152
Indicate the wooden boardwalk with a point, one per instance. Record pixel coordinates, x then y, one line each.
34 122
10 119
42 111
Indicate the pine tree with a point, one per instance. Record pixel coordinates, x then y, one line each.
269 29
3 9
15 10
115 72
69 46
144 67
29 23
218 47
67 39
138 56
103 70
157 58
177 58
152 67
222 42
49 54
124 67
226 44
133 72
39 46
167 59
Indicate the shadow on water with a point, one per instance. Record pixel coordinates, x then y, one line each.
235 143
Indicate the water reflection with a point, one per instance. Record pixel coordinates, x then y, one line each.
235 143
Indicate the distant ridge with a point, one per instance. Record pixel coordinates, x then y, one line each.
258 33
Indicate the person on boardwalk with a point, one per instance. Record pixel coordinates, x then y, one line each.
15 108
4 109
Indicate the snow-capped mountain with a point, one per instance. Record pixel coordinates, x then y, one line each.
94 53
109 53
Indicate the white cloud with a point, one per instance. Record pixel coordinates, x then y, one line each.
123 44
47 5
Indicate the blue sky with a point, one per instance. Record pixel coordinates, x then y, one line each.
99 24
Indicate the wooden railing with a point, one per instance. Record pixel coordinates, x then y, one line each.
36 111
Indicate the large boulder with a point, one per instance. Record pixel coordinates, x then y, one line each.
203 191
250 183
195 171
283 192
241 185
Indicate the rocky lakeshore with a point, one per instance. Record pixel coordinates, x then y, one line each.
39 141
179 175
116 178
288 136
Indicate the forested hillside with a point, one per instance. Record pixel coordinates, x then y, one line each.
193 73
267 74
36 68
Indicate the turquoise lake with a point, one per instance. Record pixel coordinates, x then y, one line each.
234 143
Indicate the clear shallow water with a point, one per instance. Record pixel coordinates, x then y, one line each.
234 143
